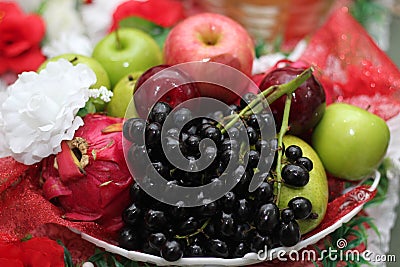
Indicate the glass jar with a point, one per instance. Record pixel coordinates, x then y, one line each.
288 20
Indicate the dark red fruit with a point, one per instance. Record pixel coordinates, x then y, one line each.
158 89
308 102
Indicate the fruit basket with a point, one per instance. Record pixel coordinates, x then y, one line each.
82 174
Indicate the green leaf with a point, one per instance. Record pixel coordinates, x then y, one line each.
355 243
382 189
260 48
354 230
26 238
99 255
41 8
89 108
117 263
158 32
358 221
67 255
364 10
130 263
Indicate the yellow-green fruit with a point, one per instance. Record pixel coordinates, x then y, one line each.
123 93
316 190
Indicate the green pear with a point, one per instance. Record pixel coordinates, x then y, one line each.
101 74
316 190
123 95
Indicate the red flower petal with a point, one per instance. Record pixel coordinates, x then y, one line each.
19 43
29 61
162 12
41 251
9 250
11 263
10 8
36 30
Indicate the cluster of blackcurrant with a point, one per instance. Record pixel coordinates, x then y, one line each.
296 172
240 221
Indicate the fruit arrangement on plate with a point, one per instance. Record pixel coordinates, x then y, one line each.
178 155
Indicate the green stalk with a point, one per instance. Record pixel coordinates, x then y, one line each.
289 87
282 132
200 230
271 94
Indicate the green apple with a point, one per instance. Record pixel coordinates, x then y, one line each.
101 74
316 190
127 50
350 141
123 93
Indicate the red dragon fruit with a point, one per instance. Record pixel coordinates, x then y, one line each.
89 177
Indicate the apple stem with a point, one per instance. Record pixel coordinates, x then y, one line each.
282 132
119 46
271 94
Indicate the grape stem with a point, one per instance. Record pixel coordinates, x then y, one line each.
282 132
271 94
200 230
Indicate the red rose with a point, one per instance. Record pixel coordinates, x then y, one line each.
20 38
162 12
35 252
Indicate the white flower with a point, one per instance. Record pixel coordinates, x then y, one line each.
68 42
3 97
61 16
102 92
29 6
3 91
40 110
97 17
267 61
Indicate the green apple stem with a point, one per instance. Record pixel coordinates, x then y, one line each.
282 132
118 40
271 94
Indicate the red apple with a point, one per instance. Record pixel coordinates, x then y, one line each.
211 37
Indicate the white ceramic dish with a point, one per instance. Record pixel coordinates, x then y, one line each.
248 259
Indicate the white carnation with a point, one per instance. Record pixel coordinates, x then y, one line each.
3 88
40 110
68 42
97 17
268 61
29 6
61 16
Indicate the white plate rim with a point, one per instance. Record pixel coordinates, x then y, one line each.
248 259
